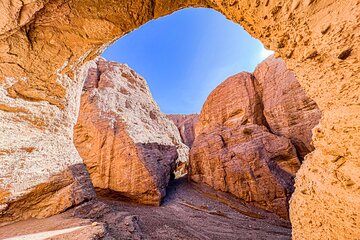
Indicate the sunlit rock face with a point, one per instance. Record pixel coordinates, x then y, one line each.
287 109
42 44
235 101
234 152
251 131
41 172
127 144
186 125
249 162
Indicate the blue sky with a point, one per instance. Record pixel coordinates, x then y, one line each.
184 56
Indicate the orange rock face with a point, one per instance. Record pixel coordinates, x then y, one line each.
246 135
186 125
127 144
233 152
62 191
43 43
249 162
235 101
287 109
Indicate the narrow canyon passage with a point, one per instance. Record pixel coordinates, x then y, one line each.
235 157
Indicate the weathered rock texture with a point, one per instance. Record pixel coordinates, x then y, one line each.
41 172
126 143
62 191
249 162
186 124
233 151
287 109
235 101
43 42
190 212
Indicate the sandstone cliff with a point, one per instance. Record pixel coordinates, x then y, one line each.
127 144
287 109
42 44
249 162
235 101
234 152
186 125
246 134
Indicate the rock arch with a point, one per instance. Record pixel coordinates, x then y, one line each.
42 42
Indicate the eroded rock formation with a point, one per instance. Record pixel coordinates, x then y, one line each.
234 152
41 172
42 43
235 101
61 191
287 109
126 143
249 162
186 124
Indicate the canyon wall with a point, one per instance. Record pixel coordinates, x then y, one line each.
186 125
252 130
41 172
289 112
234 151
127 144
43 42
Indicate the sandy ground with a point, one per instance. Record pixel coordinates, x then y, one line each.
188 212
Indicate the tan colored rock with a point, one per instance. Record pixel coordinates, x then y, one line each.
32 185
249 162
17 13
62 191
287 109
126 143
235 101
186 125
39 58
234 153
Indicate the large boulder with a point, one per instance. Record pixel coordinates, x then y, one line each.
287 109
61 191
186 125
128 145
234 152
249 162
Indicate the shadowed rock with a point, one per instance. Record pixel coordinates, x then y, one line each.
127 144
62 191
186 124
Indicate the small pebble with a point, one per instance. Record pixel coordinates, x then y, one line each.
345 54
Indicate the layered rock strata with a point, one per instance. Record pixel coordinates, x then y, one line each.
186 125
42 44
127 144
287 109
234 152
